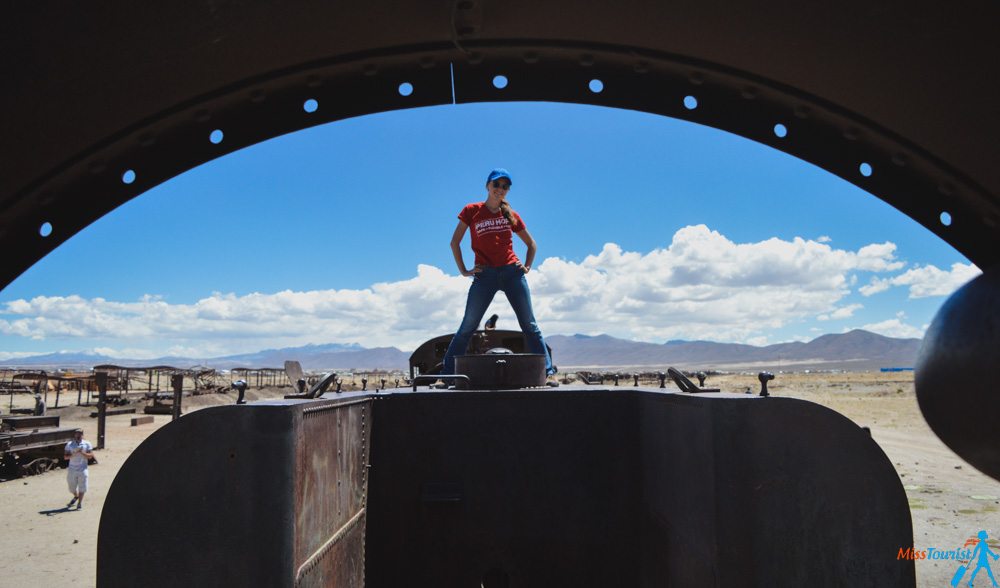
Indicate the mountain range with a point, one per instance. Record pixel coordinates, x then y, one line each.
854 350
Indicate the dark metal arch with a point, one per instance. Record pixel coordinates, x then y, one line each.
93 92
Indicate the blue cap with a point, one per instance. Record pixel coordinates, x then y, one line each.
499 173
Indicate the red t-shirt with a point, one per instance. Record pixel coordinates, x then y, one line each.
491 234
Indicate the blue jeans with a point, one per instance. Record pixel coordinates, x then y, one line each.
485 285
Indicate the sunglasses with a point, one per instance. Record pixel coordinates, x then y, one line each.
501 185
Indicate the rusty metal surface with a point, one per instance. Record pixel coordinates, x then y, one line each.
24 440
580 486
330 490
21 423
591 487
462 483
764 480
341 562
239 496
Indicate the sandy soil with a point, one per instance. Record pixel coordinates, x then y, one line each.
44 544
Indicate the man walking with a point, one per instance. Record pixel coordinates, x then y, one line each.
78 452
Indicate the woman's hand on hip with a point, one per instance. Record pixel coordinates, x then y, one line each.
472 272
523 268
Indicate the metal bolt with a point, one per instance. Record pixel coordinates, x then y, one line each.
764 377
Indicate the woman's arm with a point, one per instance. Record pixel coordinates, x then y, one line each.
456 250
532 247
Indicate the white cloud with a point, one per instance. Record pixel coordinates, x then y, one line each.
925 281
875 286
878 257
931 281
823 239
840 313
701 286
400 313
895 328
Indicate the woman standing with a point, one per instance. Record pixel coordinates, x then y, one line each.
497 267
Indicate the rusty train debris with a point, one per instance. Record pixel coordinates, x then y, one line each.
457 487
31 444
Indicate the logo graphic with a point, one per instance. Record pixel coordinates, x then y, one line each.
980 557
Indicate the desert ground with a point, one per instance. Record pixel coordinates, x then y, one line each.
45 544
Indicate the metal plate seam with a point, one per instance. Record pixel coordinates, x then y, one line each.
315 557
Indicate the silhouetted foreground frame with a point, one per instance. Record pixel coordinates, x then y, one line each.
105 100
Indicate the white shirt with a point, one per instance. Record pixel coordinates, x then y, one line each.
77 461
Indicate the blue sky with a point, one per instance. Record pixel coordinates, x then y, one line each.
649 228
